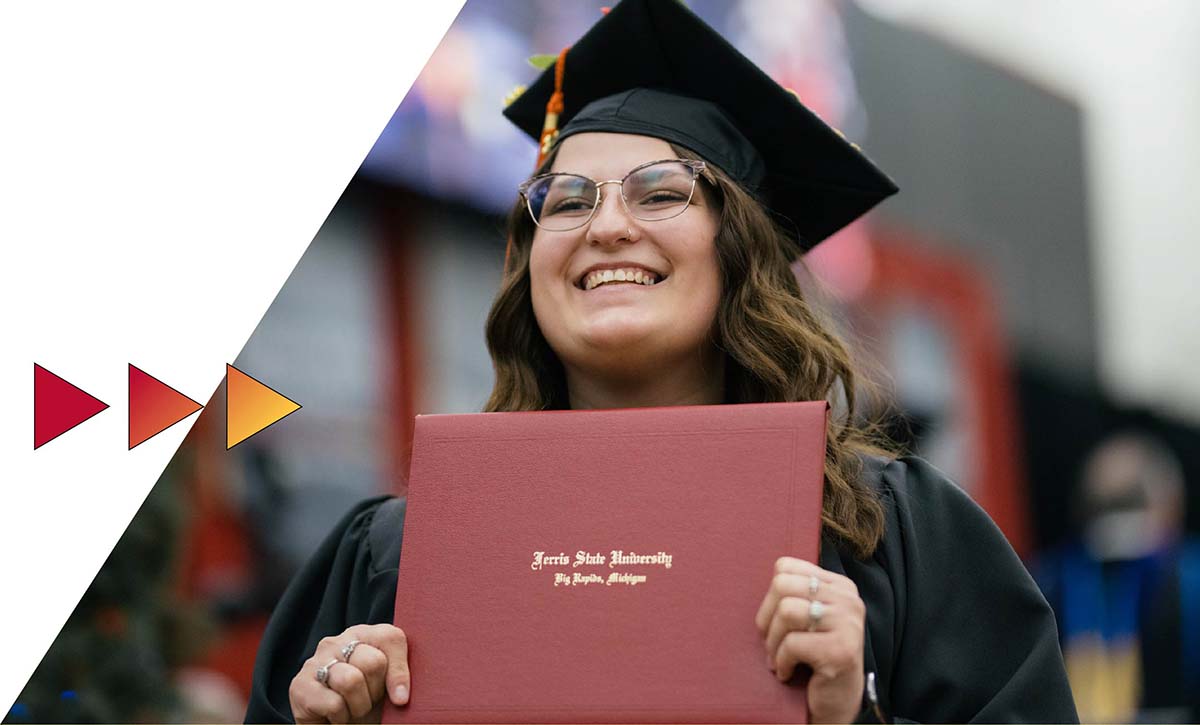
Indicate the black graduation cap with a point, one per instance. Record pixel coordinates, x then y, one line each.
652 67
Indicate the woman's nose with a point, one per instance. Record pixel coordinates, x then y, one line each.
611 222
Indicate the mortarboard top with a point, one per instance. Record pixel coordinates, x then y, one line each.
652 67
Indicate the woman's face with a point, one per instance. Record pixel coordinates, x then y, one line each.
615 328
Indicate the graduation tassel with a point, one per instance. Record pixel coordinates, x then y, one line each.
554 107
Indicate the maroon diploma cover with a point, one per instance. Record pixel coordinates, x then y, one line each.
604 566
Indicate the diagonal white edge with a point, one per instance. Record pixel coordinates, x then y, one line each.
163 168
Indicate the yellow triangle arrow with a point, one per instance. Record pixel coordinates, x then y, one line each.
251 406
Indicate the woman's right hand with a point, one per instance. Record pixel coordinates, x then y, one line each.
355 688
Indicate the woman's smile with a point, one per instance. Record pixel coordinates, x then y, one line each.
621 274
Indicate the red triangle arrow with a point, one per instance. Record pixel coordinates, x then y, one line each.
154 406
58 406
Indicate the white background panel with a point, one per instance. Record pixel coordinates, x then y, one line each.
162 169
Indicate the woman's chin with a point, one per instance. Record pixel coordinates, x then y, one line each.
612 351
618 334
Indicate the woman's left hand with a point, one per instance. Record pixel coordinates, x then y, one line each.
831 643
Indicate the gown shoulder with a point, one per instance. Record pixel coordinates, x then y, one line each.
959 630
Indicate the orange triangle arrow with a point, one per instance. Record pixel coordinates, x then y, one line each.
154 406
251 406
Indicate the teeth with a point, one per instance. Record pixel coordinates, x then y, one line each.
634 275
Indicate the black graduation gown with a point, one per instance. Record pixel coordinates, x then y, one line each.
957 631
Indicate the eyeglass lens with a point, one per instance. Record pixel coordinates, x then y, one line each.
560 202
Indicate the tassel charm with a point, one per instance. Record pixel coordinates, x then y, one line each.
554 107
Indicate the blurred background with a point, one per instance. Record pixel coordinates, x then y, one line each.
1029 297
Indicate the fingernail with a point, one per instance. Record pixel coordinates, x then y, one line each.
402 694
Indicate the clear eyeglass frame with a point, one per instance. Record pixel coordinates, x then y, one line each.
698 167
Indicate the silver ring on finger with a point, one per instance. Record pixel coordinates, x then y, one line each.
323 671
349 649
816 610
813 585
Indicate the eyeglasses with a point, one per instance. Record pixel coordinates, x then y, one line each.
654 191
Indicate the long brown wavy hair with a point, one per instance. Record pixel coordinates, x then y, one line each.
776 347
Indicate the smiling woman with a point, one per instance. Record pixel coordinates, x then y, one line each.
727 323
649 265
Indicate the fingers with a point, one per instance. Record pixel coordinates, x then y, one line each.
373 665
793 577
797 647
813 617
389 670
792 565
313 702
354 688
791 633
349 682
837 625
791 615
829 654
393 643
